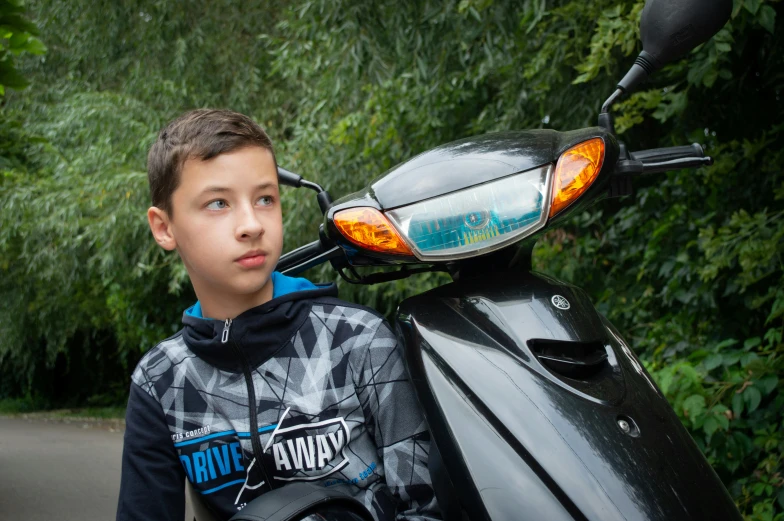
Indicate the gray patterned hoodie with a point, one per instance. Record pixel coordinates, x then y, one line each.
332 404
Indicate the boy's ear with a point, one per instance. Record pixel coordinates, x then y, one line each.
160 226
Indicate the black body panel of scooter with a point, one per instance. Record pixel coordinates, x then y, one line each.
589 435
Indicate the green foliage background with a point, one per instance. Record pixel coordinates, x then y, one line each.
690 268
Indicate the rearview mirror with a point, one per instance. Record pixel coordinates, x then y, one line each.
671 28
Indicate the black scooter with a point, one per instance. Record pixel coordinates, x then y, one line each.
538 408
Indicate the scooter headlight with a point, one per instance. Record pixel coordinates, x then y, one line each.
478 219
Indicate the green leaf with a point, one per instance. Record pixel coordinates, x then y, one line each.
737 405
767 18
752 5
748 358
752 397
665 380
724 422
582 78
718 413
751 343
10 77
710 77
776 311
731 358
723 47
689 373
613 12
694 406
729 342
19 24
712 362
18 40
768 383
35 46
710 426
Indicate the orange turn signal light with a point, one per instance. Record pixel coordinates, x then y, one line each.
369 229
576 170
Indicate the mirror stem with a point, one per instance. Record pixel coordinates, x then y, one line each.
644 65
611 100
310 184
322 196
605 117
288 178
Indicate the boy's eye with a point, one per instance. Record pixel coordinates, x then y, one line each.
265 200
218 204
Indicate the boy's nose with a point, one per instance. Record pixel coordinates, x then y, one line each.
249 225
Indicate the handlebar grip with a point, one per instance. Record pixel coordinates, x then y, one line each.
300 255
660 155
658 160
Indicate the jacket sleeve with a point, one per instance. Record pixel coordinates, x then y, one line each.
152 485
395 419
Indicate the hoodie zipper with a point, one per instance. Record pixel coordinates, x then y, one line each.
254 419
226 328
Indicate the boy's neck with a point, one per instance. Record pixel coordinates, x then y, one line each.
223 306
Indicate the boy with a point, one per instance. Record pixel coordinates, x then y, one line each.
319 381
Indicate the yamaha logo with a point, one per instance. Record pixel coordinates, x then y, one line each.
560 302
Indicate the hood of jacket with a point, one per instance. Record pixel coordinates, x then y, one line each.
258 333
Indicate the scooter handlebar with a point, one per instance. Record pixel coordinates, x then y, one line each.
663 160
660 155
299 255
306 257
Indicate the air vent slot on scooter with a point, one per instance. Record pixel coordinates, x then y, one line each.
578 360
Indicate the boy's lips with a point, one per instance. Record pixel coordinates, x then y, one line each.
252 259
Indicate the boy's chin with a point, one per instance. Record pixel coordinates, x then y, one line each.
256 287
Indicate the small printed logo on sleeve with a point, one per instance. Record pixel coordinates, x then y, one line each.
195 433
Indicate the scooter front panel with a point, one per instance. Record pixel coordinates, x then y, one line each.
602 442
493 465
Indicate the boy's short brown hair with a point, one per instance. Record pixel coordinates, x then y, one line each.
199 134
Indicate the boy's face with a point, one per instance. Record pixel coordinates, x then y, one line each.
227 227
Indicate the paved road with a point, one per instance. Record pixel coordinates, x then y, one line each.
58 471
